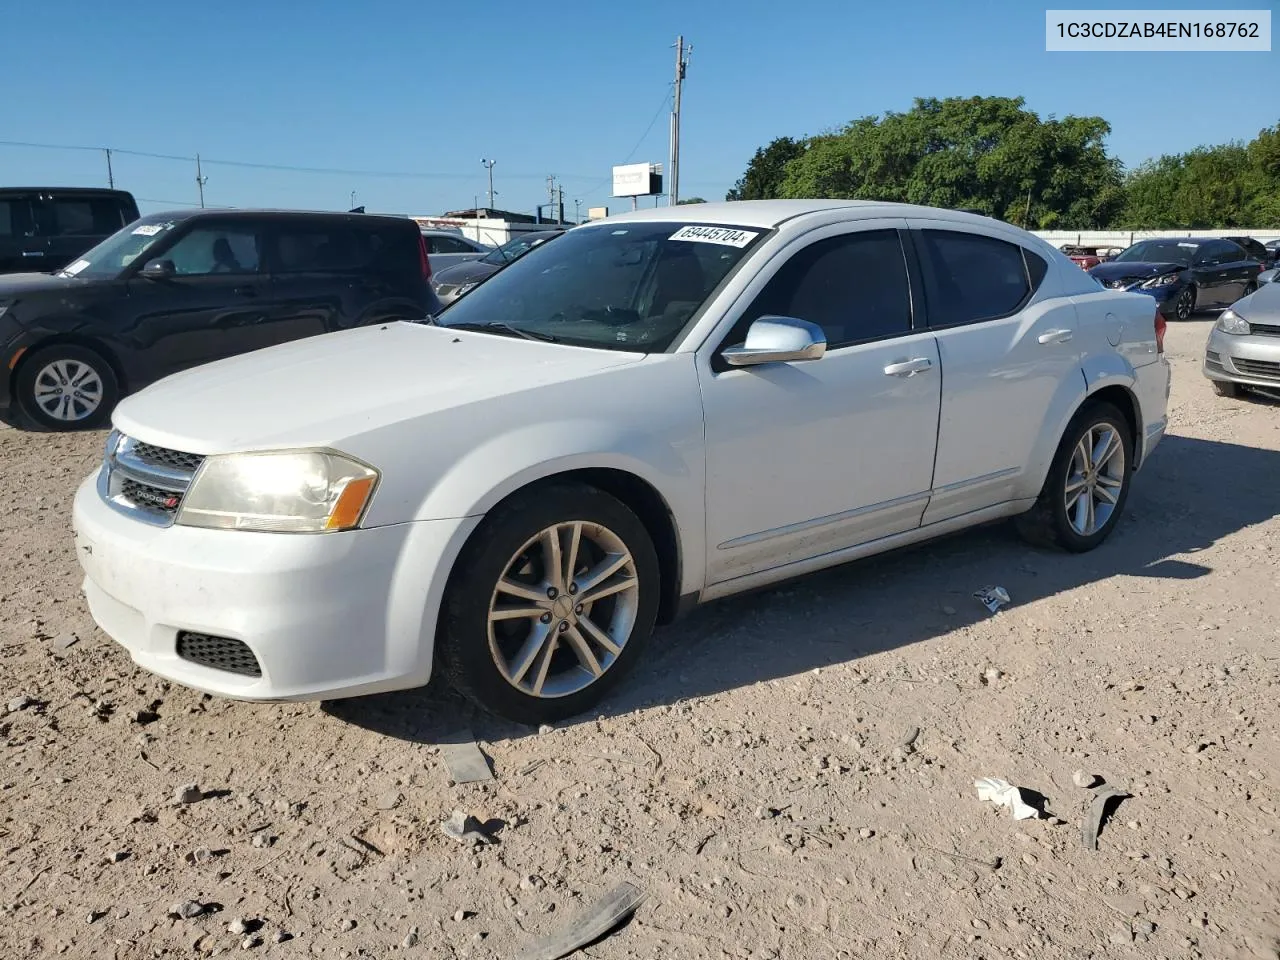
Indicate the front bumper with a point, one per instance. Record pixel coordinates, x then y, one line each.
1252 360
326 615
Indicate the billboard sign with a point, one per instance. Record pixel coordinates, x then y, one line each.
637 180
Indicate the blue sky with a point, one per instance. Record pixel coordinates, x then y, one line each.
564 87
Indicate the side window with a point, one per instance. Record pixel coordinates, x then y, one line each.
9 217
449 245
1229 252
853 286
78 216
325 249
970 277
210 250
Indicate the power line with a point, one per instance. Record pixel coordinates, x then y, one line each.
283 167
595 188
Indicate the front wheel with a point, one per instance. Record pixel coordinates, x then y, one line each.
67 387
550 604
1185 305
1225 388
1088 482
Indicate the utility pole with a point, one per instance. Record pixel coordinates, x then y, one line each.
111 179
560 205
201 180
353 201
488 164
682 61
577 211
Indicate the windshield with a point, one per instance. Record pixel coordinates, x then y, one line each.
112 255
1161 251
512 249
630 286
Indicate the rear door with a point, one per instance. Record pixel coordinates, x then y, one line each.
215 305
336 274
20 250
1004 355
71 223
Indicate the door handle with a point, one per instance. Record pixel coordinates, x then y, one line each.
1055 336
908 368
33 253
247 291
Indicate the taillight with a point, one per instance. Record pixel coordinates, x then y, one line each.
1161 324
426 261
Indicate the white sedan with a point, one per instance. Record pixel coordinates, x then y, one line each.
658 409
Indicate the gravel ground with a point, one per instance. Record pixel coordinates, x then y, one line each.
757 776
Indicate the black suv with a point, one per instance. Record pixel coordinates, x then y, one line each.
174 290
45 228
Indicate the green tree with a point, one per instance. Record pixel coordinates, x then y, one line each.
681 203
985 153
766 170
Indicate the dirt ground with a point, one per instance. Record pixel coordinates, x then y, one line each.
753 776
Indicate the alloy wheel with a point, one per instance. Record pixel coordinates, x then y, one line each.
68 390
563 609
1182 307
1095 479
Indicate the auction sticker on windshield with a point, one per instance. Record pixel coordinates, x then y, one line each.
75 268
150 229
725 236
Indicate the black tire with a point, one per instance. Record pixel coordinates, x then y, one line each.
1225 388
463 639
1047 523
1185 304
1249 288
34 373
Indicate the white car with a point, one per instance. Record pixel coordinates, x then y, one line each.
658 409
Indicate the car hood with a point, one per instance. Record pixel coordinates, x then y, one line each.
325 389
1262 307
14 285
1132 270
469 271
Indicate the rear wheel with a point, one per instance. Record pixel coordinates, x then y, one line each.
550 604
1185 305
67 387
1225 388
1088 482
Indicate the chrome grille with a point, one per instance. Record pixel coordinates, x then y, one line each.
145 481
220 653
162 457
1262 369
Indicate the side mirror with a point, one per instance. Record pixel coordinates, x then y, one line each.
778 340
158 270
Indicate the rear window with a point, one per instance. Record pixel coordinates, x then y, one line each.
79 216
970 277
335 248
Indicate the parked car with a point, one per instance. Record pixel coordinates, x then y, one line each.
1268 276
452 282
1183 275
656 409
1243 350
445 248
42 229
174 290
1088 257
1255 250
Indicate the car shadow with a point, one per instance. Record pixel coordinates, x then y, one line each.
1176 510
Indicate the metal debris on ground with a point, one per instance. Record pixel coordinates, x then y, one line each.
1004 794
1102 796
993 598
590 925
466 829
465 761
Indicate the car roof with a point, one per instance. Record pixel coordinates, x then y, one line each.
94 191
237 213
772 213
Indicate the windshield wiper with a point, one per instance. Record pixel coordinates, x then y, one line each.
503 328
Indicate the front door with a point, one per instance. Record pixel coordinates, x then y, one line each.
810 457
216 304
1005 358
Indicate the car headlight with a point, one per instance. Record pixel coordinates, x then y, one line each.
1231 322
300 491
1163 281
466 287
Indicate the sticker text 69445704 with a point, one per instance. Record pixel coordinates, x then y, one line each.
725 236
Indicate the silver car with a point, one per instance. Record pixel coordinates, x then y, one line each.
1244 346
